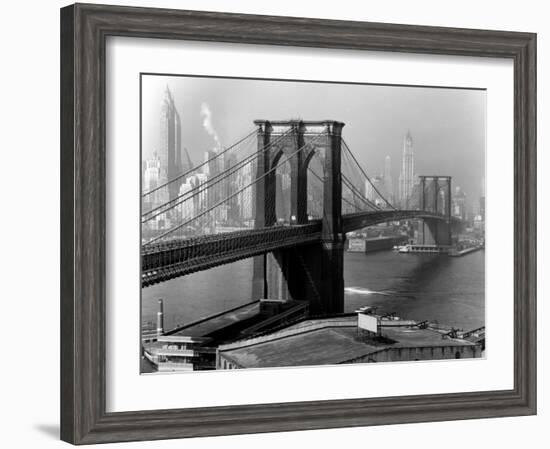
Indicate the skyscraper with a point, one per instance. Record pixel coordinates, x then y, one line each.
245 197
197 182
388 181
230 186
170 142
151 179
187 207
459 204
406 177
186 163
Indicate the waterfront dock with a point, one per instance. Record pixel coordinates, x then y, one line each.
369 245
193 346
463 252
361 337
272 332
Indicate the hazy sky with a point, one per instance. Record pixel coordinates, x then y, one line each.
447 125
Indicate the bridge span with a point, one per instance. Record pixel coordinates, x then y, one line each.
300 260
168 260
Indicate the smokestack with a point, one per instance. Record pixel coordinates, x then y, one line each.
160 319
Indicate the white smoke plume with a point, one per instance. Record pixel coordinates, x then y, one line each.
206 115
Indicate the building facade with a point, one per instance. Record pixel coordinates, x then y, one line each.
406 177
169 151
348 338
186 208
152 178
388 180
245 195
459 204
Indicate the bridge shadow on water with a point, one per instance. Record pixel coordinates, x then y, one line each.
418 286
403 268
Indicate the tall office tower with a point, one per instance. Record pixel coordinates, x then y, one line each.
459 204
388 180
186 208
206 163
186 163
152 178
245 197
197 183
406 178
230 186
213 166
214 162
170 142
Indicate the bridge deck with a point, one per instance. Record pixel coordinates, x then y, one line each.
169 260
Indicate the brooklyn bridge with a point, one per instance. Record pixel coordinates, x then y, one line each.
297 241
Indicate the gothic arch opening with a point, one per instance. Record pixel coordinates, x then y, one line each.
283 181
314 169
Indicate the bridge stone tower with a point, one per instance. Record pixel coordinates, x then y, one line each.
435 196
312 271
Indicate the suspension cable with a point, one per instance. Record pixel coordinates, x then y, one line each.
352 188
179 226
366 176
358 193
357 209
206 185
178 177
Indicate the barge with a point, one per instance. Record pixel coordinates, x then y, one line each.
369 245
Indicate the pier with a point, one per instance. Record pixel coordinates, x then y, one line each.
269 332
368 245
463 252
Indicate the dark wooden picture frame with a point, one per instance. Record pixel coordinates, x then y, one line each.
84 29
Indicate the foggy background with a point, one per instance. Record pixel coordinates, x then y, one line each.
447 125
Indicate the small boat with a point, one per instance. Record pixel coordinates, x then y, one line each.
404 249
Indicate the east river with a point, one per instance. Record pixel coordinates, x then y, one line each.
447 290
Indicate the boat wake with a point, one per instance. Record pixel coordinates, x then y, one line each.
366 291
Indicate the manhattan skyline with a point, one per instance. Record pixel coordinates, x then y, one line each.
448 124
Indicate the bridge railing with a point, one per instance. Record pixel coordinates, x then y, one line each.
167 260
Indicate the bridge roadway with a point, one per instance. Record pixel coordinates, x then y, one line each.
169 260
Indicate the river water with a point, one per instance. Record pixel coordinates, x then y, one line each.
448 290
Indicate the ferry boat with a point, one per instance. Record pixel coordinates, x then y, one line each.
415 248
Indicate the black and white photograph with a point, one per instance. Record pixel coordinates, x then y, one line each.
244 224
291 223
